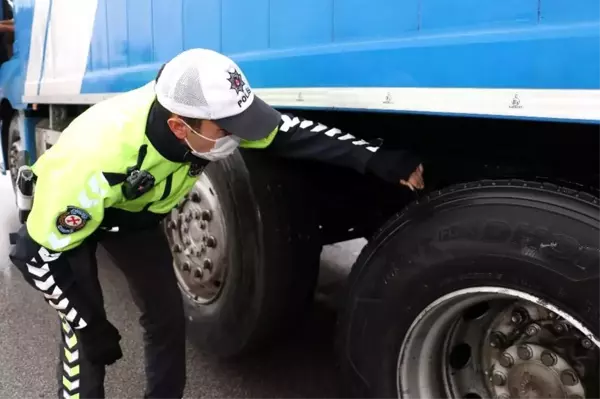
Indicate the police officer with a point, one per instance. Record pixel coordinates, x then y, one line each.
118 169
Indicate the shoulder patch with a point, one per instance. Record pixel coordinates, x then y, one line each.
72 220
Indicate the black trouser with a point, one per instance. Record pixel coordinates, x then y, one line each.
145 259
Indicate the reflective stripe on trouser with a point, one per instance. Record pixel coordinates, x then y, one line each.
70 361
77 378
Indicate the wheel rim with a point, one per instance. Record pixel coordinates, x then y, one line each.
13 159
496 342
196 231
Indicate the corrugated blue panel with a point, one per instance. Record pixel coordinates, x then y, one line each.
202 24
374 19
118 40
301 23
167 28
245 25
553 11
98 57
139 28
534 58
444 14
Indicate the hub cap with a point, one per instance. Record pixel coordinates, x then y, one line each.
196 232
497 343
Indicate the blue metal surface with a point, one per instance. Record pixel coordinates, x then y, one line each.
358 43
527 44
565 58
13 72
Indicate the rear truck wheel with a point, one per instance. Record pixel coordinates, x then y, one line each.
246 258
483 290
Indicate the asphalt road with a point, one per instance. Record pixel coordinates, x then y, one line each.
29 336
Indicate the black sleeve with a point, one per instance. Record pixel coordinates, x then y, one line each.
50 273
304 139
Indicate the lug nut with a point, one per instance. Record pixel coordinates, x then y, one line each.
548 358
568 378
586 343
211 242
532 330
560 327
198 273
176 248
206 215
525 352
203 225
195 197
186 266
518 316
506 360
208 264
498 379
497 339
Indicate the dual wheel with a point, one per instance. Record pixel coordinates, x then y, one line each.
484 290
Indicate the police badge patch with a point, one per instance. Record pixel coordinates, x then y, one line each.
74 219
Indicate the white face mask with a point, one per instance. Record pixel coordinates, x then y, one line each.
224 146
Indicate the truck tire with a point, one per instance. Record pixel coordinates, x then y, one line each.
16 154
486 289
246 258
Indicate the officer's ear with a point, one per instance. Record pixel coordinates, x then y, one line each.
179 129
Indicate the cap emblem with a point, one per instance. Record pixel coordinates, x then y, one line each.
236 81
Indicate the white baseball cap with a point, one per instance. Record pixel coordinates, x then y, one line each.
204 84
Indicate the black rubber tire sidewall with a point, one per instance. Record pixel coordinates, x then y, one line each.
272 272
437 247
14 135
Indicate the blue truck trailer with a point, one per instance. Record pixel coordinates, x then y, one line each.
485 285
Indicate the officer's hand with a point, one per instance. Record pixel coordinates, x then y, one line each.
415 181
101 343
397 166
